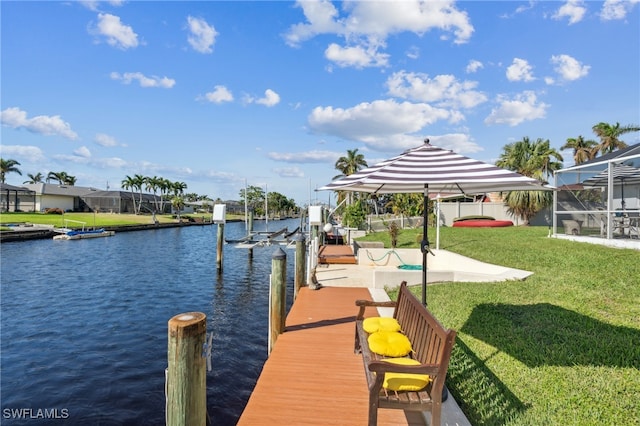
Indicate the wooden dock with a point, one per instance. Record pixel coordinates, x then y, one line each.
312 376
336 254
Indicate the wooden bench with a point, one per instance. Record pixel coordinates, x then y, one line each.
431 344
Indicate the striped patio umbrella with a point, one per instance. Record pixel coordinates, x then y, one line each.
622 173
429 168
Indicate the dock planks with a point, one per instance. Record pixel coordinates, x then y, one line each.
312 376
336 254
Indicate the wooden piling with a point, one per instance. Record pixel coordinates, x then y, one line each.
186 389
220 245
301 258
277 296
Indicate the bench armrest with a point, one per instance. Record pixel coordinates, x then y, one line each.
365 303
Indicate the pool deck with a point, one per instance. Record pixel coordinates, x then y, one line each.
313 376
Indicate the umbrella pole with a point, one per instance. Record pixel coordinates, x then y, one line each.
424 245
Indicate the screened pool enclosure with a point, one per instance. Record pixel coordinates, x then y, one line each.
600 198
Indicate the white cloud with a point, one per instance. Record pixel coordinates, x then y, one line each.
616 9
444 90
458 142
41 124
144 81
356 56
289 172
523 107
473 66
572 9
31 154
202 35
321 17
105 140
83 151
383 124
520 70
117 34
413 52
219 95
270 99
93 4
365 26
315 156
569 68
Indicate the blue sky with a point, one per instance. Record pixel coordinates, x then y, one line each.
222 94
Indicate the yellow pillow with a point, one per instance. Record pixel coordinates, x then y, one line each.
389 343
373 324
405 381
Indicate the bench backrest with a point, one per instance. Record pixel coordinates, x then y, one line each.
431 342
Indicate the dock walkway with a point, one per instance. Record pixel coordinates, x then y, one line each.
312 375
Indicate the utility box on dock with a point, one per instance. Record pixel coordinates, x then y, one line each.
315 215
219 213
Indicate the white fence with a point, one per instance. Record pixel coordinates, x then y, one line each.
448 212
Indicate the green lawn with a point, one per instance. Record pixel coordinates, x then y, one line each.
91 219
560 348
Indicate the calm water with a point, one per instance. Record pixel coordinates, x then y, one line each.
84 323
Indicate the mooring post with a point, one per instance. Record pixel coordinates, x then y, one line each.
277 296
301 259
250 230
186 389
220 245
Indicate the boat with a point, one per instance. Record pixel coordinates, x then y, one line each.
70 234
480 222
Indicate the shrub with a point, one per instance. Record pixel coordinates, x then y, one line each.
53 210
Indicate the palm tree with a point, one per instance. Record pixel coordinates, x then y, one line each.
534 159
349 165
34 178
8 166
583 150
177 203
153 184
129 183
69 180
609 135
178 188
62 178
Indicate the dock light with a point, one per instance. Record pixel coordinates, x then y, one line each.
328 228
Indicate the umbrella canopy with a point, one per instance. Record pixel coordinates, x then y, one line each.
429 168
621 172
442 170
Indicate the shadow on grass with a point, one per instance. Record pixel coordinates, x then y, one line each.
483 398
544 334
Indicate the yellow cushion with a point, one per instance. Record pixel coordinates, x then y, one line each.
373 324
389 343
404 381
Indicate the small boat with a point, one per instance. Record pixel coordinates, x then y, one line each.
80 235
480 222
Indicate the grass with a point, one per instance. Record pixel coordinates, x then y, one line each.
90 219
561 347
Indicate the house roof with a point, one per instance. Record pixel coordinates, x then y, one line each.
6 187
624 152
56 189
